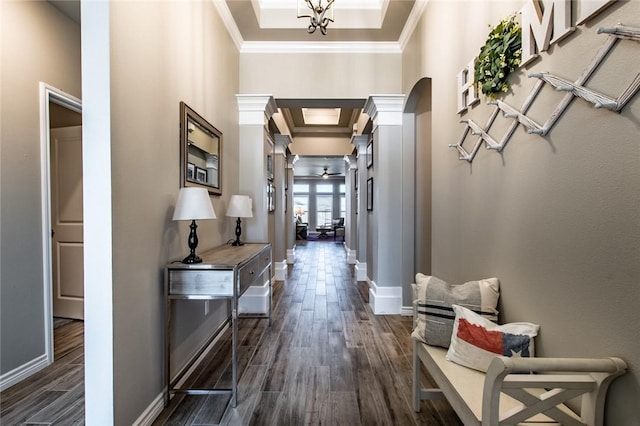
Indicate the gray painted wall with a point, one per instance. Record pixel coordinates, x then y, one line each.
36 55
163 53
554 218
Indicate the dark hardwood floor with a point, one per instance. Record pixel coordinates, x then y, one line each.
55 394
326 360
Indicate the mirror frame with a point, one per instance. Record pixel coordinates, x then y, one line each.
186 115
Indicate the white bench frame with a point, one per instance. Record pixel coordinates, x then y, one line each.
508 395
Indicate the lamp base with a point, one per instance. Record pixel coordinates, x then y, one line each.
237 243
192 258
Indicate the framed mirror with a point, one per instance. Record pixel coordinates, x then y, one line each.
200 152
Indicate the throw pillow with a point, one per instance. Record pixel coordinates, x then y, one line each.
434 299
476 341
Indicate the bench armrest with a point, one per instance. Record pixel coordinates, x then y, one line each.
571 377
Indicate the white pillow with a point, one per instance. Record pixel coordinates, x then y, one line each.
434 299
475 341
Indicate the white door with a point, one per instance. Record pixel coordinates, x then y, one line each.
67 222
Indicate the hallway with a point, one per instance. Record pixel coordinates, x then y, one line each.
326 359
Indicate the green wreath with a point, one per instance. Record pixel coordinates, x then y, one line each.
500 55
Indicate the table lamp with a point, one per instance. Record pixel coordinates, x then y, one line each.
239 206
193 204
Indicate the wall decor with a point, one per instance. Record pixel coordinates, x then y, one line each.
370 194
500 55
271 196
576 89
270 167
201 175
370 154
200 152
191 171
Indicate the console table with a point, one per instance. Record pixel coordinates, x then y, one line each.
226 272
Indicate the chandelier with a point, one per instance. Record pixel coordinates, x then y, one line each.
319 16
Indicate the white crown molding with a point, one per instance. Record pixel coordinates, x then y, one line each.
229 22
412 23
390 47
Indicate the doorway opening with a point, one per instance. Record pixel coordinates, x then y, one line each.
62 218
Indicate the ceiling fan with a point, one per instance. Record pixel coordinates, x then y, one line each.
325 174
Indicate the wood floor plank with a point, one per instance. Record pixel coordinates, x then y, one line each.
267 411
345 410
248 395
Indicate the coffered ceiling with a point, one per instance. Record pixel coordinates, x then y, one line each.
363 21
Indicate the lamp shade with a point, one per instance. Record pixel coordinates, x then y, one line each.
193 204
239 206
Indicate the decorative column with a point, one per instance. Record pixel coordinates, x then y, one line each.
281 213
254 112
289 220
386 219
350 209
361 216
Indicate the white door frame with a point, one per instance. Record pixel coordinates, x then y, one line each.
49 94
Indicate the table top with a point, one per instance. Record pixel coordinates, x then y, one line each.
225 256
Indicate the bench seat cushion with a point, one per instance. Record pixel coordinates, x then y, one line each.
459 383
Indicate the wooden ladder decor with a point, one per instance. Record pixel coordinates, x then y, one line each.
573 90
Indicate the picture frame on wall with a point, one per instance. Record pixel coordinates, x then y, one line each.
370 154
370 194
271 203
201 175
191 171
270 167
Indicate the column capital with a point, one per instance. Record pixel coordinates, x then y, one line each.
281 144
359 141
351 162
385 110
255 109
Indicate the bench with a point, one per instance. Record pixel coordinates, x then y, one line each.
508 395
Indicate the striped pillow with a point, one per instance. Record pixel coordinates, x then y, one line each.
434 298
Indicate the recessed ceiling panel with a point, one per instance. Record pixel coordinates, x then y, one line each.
350 23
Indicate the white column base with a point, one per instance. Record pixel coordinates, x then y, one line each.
255 300
361 271
291 256
351 256
280 270
385 300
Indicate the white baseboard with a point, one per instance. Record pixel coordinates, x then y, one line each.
385 300
22 372
255 300
351 256
280 270
151 412
291 256
361 271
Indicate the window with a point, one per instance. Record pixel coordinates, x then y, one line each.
324 189
301 188
343 202
324 209
301 201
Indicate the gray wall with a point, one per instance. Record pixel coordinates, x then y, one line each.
38 44
554 218
163 53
